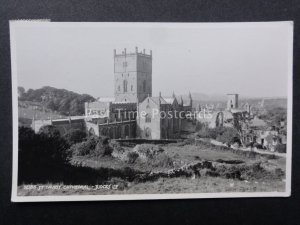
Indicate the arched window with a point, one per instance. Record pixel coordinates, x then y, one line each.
148 132
148 118
126 131
125 83
144 86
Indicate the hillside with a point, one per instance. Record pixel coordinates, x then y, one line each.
53 100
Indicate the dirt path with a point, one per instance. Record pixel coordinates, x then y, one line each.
217 143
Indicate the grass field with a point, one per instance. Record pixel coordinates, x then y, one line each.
269 178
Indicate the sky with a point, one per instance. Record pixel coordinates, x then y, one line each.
251 59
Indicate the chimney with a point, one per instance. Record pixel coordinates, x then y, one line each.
144 51
125 51
151 52
115 52
136 49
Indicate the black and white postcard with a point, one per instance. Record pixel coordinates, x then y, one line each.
127 111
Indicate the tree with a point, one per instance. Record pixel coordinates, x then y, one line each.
40 155
49 131
21 91
86 147
229 136
74 136
61 100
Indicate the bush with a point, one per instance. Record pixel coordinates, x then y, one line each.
103 148
281 148
49 131
162 160
200 126
93 146
132 156
84 148
148 150
208 133
223 134
41 153
74 136
228 135
116 146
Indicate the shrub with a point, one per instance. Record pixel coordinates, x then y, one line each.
84 148
103 148
116 146
281 148
41 153
49 131
148 150
199 126
74 136
208 133
228 135
93 146
80 149
162 160
223 134
132 156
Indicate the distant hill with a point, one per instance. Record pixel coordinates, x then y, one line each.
60 101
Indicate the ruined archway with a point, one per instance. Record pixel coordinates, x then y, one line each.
219 119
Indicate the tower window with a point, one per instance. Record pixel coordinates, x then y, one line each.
125 83
119 88
148 118
144 86
131 87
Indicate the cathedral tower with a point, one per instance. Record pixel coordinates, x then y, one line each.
132 76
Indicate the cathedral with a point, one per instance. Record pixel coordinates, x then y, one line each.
133 112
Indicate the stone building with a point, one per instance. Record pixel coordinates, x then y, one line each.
132 76
159 118
63 124
121 116
113 119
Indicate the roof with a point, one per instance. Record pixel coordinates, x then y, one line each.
170 100
106 99
97 104
156 100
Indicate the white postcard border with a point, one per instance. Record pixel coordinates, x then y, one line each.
16 198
